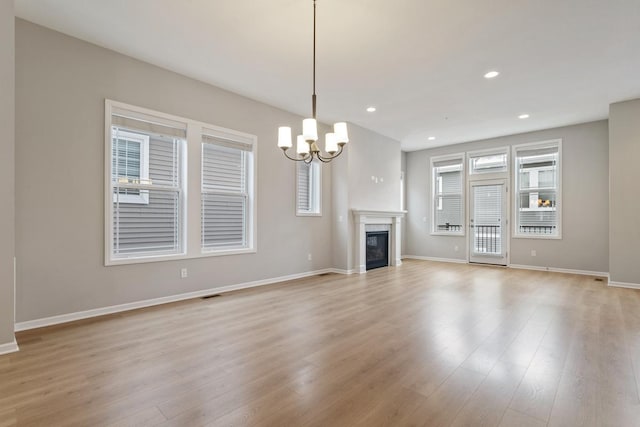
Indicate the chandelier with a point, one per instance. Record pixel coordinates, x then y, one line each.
307 144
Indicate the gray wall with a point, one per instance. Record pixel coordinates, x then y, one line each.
61 85
624 226
7 114
368 154
403 168
585 169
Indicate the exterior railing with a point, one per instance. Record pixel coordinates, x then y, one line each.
487 239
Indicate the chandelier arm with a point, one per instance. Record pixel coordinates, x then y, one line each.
327 159
293 158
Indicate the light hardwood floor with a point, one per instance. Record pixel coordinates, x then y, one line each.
426 343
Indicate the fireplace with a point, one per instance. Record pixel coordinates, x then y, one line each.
376 221
377 249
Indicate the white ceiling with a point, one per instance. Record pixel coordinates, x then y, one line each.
420 62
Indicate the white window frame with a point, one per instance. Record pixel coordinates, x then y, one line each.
438 206
190 215
475 174
251 185
143 140
315 190
516 192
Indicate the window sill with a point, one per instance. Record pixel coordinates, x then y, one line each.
443 233
223 252
538 237
176 257
308 214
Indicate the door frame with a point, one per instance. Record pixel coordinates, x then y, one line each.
506 239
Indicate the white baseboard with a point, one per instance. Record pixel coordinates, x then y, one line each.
560 270
70 317
428 258
341 271
624 285
10 347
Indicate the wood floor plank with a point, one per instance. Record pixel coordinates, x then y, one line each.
490 400
513 418
426 343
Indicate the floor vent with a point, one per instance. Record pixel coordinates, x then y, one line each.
211 296
323 274
599 279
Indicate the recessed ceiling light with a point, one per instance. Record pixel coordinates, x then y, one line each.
371 109
491 74
523 116
431 138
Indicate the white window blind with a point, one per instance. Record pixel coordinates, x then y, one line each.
146 185
308 188
226 199
537 190
448 203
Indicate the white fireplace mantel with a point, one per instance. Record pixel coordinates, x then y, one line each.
361 219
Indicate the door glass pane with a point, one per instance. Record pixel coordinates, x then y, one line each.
487 219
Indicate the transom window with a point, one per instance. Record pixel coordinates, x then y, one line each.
492 162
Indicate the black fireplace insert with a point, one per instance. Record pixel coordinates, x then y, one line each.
377 249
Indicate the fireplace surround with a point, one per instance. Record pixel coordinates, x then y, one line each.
370 220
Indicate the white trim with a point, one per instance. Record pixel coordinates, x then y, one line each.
341 271
428 258
10 347
560 270
70 317
624 285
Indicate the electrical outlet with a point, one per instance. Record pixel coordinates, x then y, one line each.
456 248
339 218
309 257
533 252
424 219
183 273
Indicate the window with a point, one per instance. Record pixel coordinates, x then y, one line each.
488 162
226 193
538 189
146 185
448 196
146 197
308 188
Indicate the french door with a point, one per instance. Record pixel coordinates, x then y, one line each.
488 226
